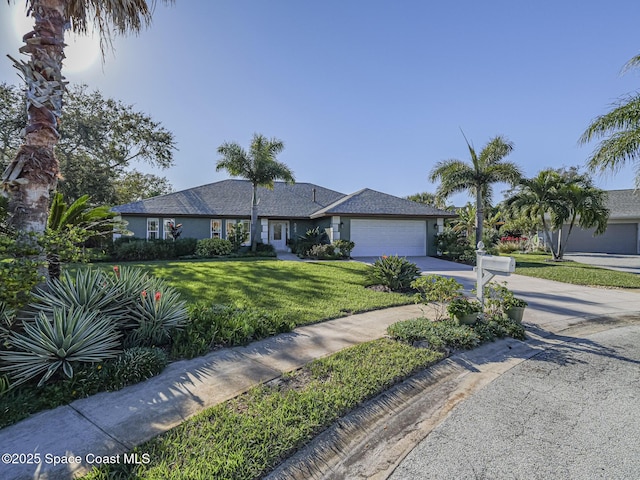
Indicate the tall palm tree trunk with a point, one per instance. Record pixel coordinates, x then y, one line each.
479 215
254 219
33 174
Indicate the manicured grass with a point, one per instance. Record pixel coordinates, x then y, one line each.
246 437
301 292
541 266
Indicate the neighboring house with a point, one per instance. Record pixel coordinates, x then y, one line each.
378 223
623 229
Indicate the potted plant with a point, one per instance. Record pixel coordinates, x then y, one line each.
464 310
514 308
499 299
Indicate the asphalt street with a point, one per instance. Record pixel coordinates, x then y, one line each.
570 412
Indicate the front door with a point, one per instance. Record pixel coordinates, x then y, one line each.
278 235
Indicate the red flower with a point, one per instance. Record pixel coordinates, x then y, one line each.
116 270
144 293
384 257
158 295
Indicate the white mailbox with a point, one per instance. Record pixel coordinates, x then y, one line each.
497 264
488 266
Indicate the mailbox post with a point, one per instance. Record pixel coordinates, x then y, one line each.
487 266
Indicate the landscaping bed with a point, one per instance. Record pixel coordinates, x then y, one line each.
246 437
246 301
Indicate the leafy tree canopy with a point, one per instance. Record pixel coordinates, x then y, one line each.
101 138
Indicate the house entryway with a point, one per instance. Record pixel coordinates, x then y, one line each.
278 234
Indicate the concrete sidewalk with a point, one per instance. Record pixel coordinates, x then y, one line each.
110 424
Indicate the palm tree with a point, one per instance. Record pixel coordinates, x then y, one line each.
428 198
487 168
33 174
259 166
466 220
69 226
539 197
620 131
558 198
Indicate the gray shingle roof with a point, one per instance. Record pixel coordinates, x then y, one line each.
371 202
624 204
232 198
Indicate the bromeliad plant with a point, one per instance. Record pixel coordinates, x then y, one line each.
87 317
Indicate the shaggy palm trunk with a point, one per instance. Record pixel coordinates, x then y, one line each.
33 174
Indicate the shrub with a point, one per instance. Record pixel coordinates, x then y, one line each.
322 252
436 290
74 335
237 236
133 365
461 306
313 236
394 272
452 244
498 326
18 270
200 333
213 247
185 247
439 335
344 247
211 325
499 299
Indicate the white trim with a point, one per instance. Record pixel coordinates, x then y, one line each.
165 229
281 244
157 229
212 230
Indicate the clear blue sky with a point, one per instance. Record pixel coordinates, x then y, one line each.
371 94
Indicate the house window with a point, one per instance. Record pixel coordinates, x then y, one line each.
216 228
167 223
153 228
231 225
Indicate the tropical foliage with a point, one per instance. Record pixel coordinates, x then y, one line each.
33 174
259 166
619 130
90 316
487 168
69 226
394 272
561 199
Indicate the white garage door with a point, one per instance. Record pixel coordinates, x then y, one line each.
388 237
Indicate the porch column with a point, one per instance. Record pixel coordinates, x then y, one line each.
335 228
264 230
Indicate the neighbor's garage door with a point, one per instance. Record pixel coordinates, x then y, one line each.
619 238
388 237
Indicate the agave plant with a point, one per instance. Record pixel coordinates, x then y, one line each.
70 335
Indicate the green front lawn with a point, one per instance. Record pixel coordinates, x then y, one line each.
244 438
541 266
301 292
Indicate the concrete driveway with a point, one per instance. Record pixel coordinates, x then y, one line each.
623 263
